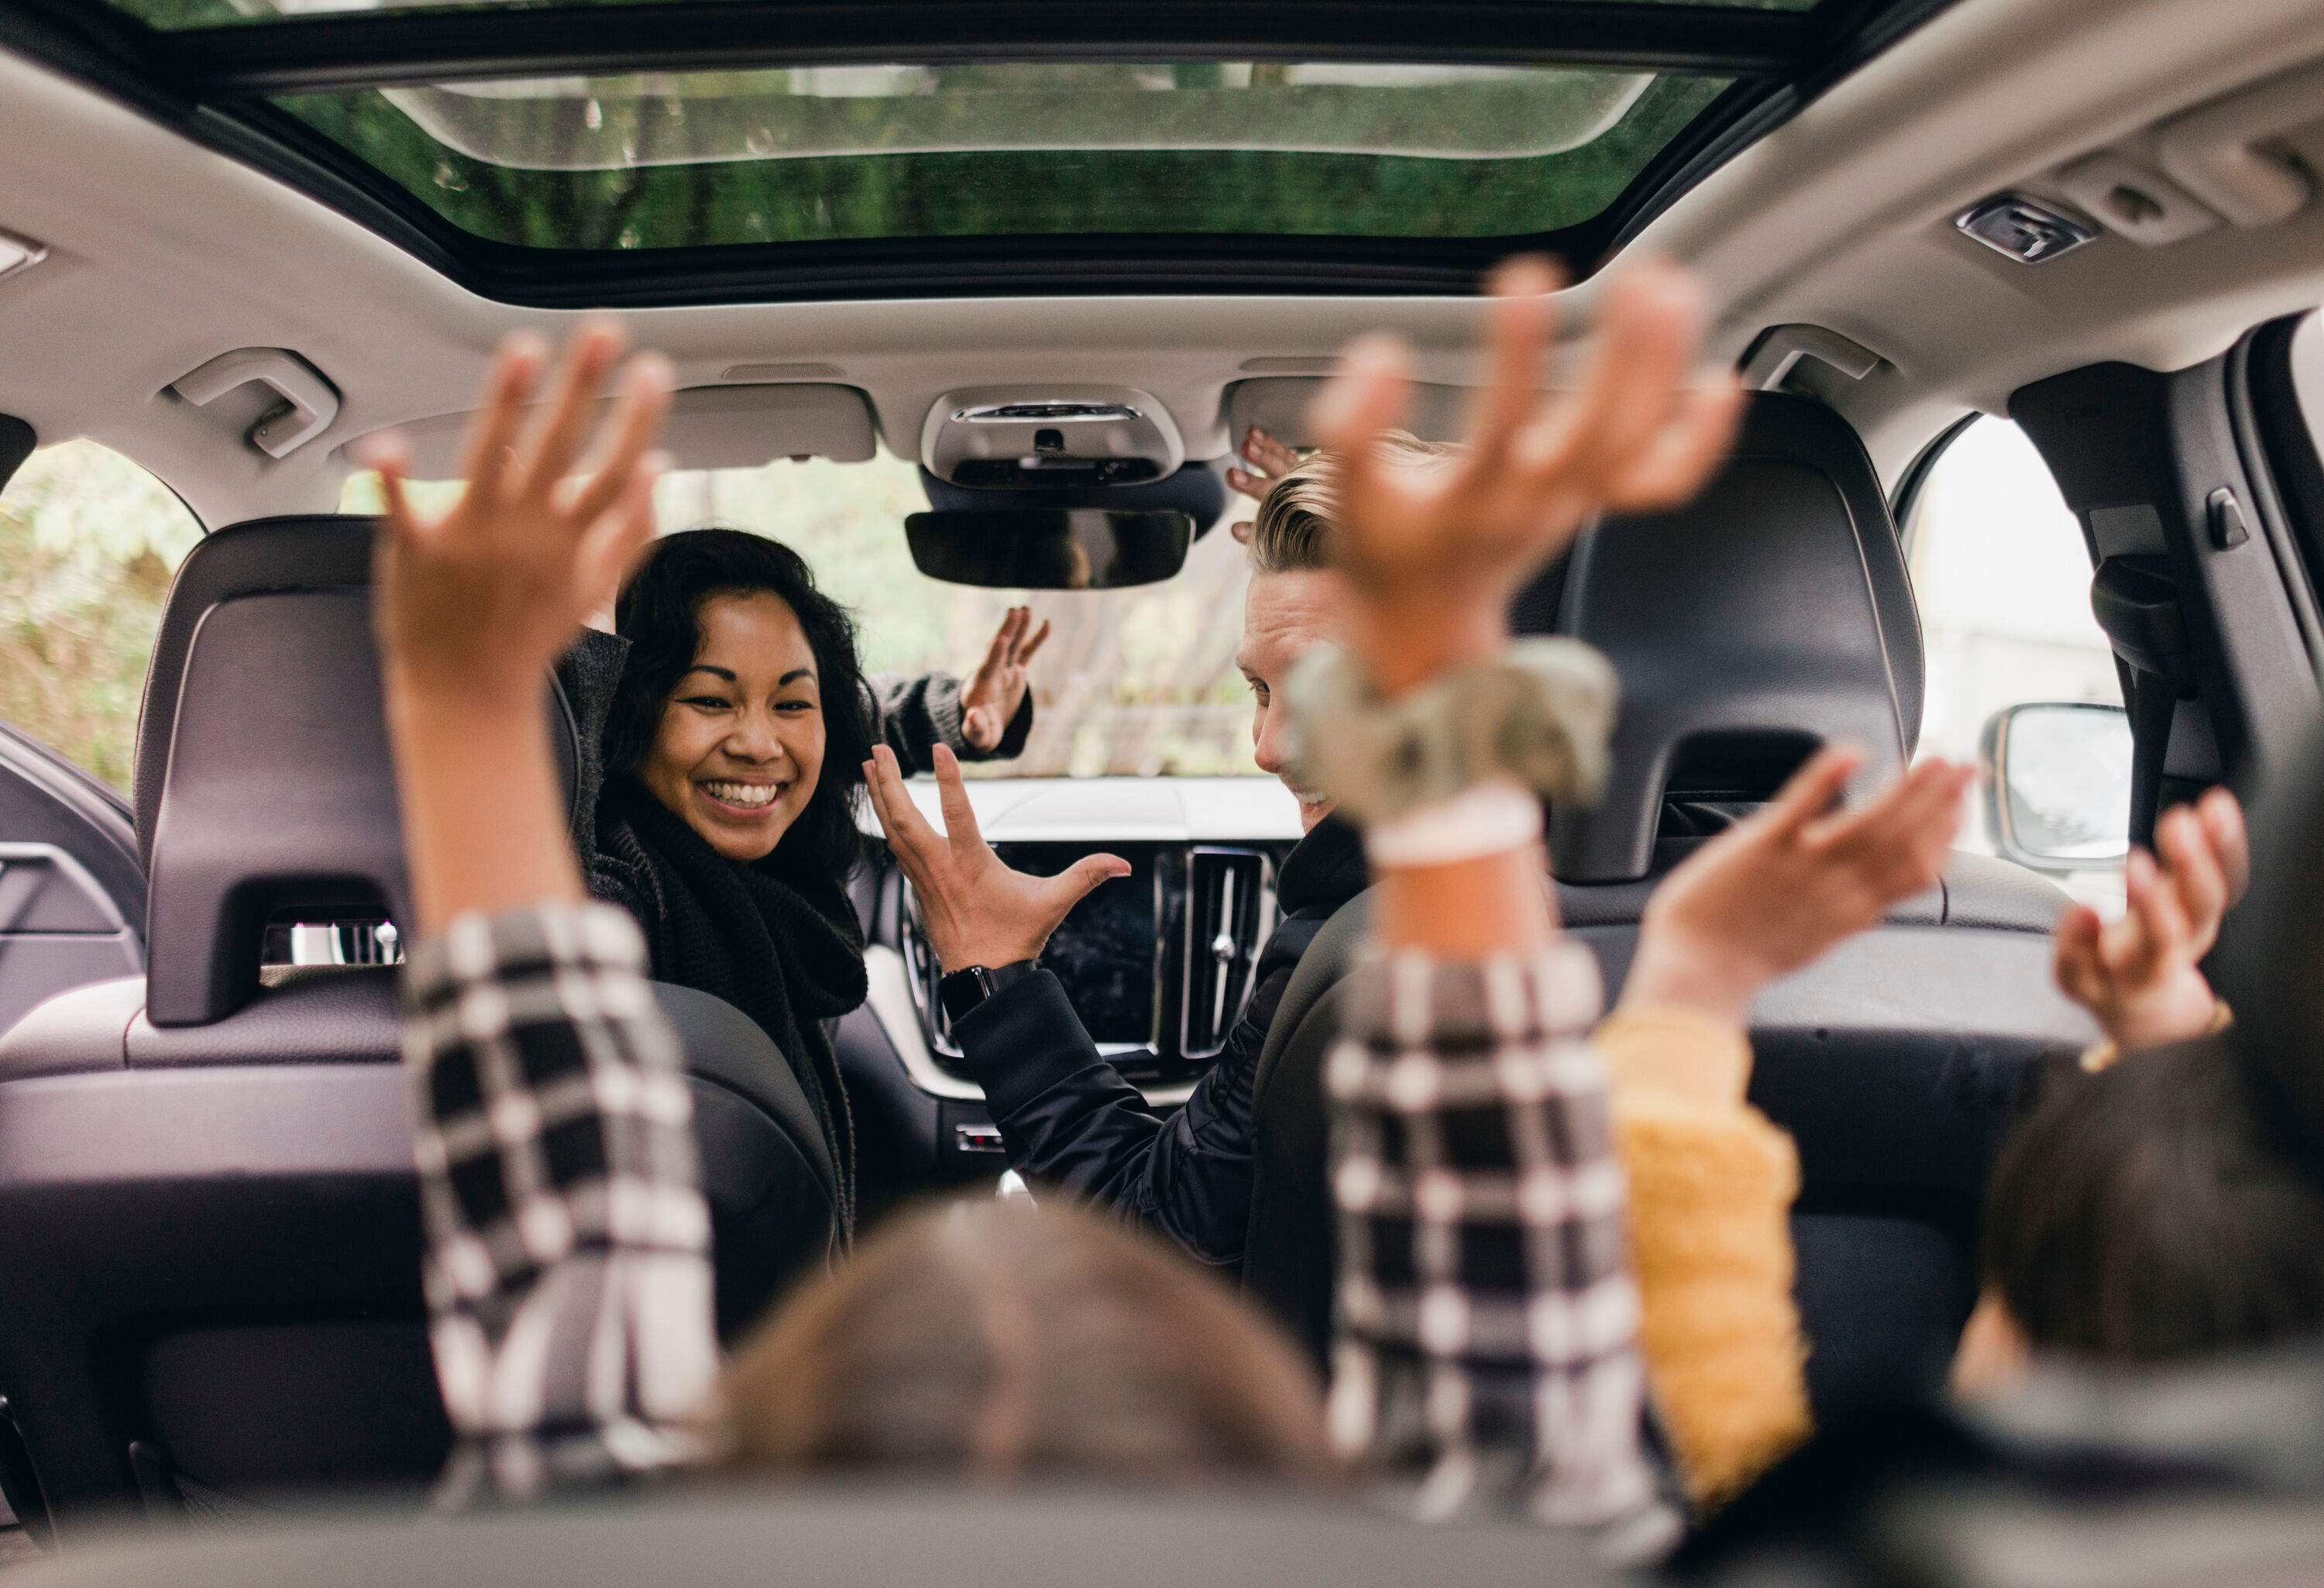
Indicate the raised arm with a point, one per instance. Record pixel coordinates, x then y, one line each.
1711 1181
986 716
2141 975
567 1267
1488 1315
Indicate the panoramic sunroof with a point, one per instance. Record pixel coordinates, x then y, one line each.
679 160
202 14
632 152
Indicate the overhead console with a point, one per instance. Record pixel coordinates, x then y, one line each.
2247 159
1049 437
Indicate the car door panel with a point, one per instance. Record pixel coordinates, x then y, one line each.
72 896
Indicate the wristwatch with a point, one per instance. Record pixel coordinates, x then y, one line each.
964 989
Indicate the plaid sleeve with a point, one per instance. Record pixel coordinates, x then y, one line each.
1488 1337
567 1263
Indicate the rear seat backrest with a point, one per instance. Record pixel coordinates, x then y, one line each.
1770 615
207 1203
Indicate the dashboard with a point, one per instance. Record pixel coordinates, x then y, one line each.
1158 964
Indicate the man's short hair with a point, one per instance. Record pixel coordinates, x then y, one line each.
1292 532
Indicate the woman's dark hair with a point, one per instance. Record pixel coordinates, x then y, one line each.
1011 1343
660 614
2151 1211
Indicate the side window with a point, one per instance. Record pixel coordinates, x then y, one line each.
2003 578
87 544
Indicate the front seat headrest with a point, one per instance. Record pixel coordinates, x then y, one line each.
265 787
1769 616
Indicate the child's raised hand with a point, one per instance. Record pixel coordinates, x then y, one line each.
2140 975
1433 555
477 601
1779 890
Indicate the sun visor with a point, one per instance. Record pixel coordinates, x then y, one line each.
1278 405
710 426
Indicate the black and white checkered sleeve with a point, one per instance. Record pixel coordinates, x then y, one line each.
1487 1338
568 1265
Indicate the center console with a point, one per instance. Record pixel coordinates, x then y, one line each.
1158 964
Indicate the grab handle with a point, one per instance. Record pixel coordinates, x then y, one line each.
310 402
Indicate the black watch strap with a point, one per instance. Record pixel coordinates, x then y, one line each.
964 989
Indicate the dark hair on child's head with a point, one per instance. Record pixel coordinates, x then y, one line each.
2151 1211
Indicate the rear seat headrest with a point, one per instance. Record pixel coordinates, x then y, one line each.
1769 616
264 784
313 552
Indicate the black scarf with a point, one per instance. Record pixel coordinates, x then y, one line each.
778 939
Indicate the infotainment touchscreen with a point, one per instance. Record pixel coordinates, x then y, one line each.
1104 952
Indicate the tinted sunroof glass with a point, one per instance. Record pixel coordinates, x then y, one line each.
673 160
202 14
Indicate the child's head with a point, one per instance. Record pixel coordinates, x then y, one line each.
2150 1211
1007 1342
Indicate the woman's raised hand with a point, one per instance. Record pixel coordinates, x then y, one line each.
989 699
975 910
479 600
1434 554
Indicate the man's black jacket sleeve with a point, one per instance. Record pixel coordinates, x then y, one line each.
1069 1119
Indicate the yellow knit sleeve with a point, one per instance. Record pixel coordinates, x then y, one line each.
1711 1184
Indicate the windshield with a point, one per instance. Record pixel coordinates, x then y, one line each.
1131 683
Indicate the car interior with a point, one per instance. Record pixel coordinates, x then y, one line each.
238 237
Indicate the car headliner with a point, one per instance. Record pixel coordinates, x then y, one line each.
165 254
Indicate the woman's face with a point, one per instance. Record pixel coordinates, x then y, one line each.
740 744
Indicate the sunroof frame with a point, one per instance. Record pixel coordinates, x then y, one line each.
213 83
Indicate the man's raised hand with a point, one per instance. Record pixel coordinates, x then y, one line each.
1436 553
480 599
974 909
1265 460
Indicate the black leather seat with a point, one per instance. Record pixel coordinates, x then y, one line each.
1770 615
207 1216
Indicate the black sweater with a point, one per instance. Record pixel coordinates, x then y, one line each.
777 940
1069 1119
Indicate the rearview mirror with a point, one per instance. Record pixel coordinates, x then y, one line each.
1049 549
2057 785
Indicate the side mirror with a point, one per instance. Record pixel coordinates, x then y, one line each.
2057 785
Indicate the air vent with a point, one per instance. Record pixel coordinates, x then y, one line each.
1229 910
926 974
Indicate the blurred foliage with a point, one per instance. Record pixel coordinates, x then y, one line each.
87 544
1138 682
